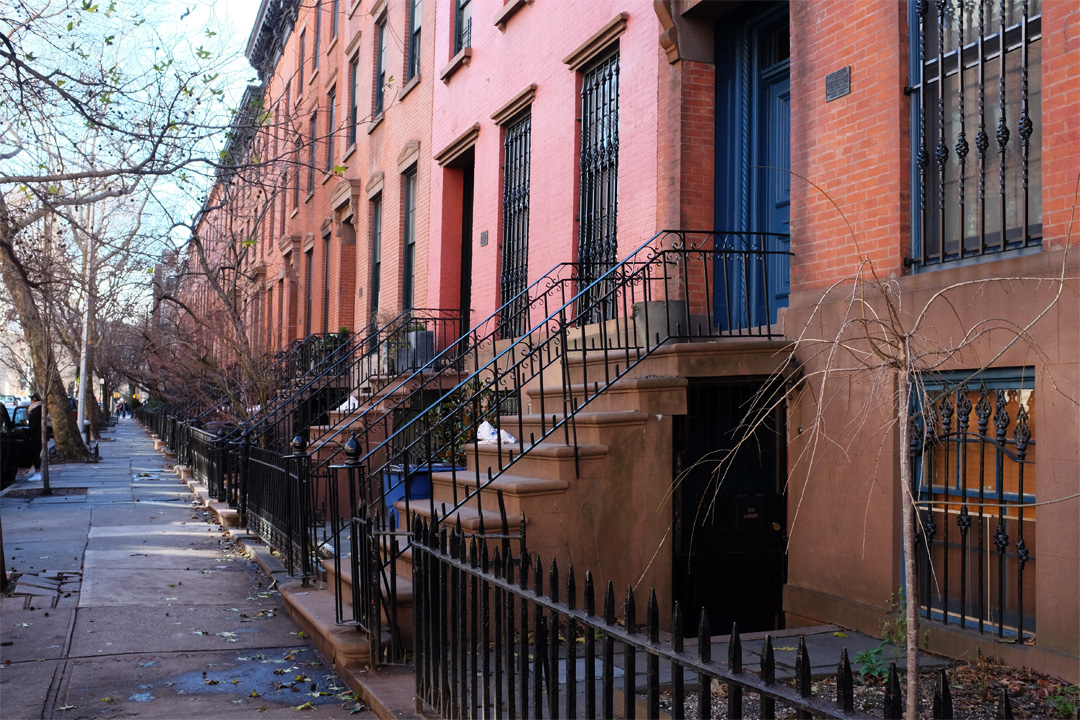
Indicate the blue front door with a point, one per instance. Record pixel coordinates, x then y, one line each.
753 183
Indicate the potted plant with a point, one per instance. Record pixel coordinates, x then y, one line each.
659 320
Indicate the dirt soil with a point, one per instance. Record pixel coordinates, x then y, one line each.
975 687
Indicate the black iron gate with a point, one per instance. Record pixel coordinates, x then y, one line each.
598 210
730 508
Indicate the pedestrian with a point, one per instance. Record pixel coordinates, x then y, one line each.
35 413
120 409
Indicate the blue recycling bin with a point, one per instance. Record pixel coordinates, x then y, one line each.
418 482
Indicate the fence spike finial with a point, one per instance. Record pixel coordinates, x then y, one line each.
894 706
845 685
802 670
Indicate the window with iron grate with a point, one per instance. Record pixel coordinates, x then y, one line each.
974 450
599 199
976 137
515 238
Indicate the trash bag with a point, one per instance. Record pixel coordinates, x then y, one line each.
350 404
485 435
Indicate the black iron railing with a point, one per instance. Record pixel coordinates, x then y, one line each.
360 365
278 504
668 289
491 640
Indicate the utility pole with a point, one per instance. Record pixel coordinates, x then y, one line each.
88 263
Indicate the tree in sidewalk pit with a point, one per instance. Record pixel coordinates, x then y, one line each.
860 334
100 115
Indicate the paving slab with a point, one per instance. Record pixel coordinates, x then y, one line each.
22 688
34 634
203 685
127 586
175 627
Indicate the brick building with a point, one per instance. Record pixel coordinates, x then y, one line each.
448 154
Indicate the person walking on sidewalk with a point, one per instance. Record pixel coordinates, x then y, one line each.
35 412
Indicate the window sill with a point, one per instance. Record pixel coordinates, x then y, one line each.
376 122
326 178
407 88
508 11
464 57
348 152
333 42
294 213
311 194
314 75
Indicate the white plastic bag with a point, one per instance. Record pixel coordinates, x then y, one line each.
485 435
350 404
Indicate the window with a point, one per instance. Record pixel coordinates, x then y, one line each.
296 171
376 254
380 65
976 133
318 33
515 237
300 64
309 257
975 477
284 192
599 163
335 8
313 128
408 283
326 284
269 314
462 25
281 312
331 126
354 75
412 62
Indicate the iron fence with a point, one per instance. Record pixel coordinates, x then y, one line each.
490 640
278 504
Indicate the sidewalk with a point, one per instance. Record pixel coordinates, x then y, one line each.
129 602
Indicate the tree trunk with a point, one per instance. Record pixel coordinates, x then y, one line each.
907 501
46 487
69 444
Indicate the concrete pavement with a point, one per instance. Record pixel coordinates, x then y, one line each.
129 601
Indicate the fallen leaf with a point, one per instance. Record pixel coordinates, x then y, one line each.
254 693
66 707
108 699
839 633
305 706
212 682
358 708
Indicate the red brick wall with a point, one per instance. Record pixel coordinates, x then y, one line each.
504 63
1060 122
855 148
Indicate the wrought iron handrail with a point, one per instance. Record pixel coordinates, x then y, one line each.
428 377
358 360
655 270
665 268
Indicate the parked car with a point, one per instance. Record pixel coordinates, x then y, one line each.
16 450
21 418
10 401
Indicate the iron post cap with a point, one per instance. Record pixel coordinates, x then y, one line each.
352 450
298 445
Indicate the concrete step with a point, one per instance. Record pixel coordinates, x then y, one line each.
547 459
591 427
517 490
655 395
